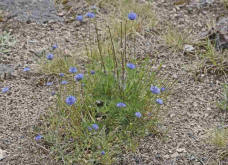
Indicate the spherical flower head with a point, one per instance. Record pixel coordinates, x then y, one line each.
131 66
121 105
102 152
90 15
132 16
61 74
138 114
49 83
26 69
89 128
159 101
64 82
50 56
79 18
78 77
73 70
162 89
154 89
92 72
53 93
38 137
70 100
5 89
55 46
95 127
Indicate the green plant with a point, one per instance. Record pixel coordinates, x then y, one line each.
220 137
223 104
102 113
175 38
6 41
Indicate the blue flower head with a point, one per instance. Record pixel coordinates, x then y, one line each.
162 89
5 89
132 16
26 69
102 152
159 101
53 93
49 83
78 77
92 72
79 18
90 15
89 128
50 56
138 114
38 137
61 74
154 89
121 105
55 46
131 66
70 100
64 82
95 127
73 70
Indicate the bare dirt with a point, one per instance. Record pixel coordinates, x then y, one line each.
189 113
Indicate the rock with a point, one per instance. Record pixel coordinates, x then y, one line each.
188 48
180 150
39 11
2 154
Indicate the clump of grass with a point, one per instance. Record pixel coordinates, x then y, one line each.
175 38
105 107
223 104
220 137
6 41
225 2
213 62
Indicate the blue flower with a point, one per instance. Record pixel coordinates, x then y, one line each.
95 127
92 72
73 70
132 16
78 77
38 137
154 89
26 69
5 89
159 101
64 82
49 83
162 89
90 15
102 153
120 105
138 114
79 18
89 128
70 100
55 46
53 93
50 56
131 66
61 74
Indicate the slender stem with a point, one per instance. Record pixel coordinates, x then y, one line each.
114 55
122 56
125 44
73 83
99 48
90 44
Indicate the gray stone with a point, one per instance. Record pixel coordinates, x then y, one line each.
39 11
